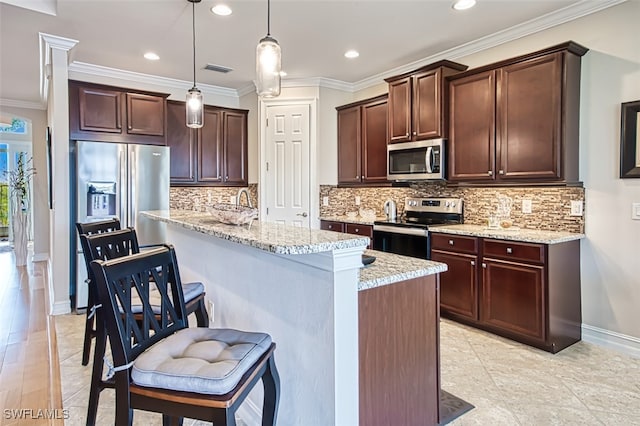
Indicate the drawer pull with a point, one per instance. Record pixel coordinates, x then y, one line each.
509 250
450 242
484 265
357 230
473 263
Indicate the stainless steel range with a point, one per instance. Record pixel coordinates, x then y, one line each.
409 234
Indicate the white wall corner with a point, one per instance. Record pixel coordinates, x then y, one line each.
618 342
48 42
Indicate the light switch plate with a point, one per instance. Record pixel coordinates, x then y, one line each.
526 206
357 200
635 211
325 201
576 207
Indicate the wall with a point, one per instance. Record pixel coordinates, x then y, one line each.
610 270
550 206
40 186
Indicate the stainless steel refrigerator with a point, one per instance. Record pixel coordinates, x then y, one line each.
117 180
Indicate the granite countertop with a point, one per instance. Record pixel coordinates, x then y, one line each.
357 220
513 234
389 268
271 237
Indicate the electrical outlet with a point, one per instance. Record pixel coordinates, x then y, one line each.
635 211
357 200
325 201
526 206
576 207
232 199
211 312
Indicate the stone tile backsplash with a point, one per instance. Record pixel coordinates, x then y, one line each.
199 198
551 206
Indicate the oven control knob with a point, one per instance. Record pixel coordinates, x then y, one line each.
447 204
453 204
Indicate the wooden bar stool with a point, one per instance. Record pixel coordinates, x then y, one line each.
116 244
163 366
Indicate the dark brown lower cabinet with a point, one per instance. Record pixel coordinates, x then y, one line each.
349 228
399 342
523 291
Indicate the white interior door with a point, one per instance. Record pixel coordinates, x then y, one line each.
287 186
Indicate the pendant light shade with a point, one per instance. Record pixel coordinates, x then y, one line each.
195 109
268 63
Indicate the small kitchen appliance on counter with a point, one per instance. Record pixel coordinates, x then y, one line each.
409 235
390 210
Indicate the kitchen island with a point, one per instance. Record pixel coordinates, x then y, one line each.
352 347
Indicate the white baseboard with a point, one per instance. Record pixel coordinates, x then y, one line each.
628 345
61 308
40 257
249 413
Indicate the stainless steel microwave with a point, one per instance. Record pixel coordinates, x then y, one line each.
420 160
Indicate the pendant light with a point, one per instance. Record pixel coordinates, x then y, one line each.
195 108
268 63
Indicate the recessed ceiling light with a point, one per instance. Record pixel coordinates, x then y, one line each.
222 10
464 4
151 56
351 54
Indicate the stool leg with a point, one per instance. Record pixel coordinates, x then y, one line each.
271 383
171 421
202 316
89 328
96 373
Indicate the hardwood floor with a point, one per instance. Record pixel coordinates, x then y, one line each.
29 368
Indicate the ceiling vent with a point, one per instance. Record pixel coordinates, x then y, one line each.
218 68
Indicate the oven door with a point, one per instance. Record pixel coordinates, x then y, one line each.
412 242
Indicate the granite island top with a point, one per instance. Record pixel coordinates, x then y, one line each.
358 220
513 234
271 237
389 268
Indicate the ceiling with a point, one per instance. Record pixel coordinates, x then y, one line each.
313 35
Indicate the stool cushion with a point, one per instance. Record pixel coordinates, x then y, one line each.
202 360
190 291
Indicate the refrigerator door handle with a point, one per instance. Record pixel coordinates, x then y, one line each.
122 186
133 174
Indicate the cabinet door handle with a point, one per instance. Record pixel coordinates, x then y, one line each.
450 242
415 133
362 177
484 265
473 263
501 172
490 172
357 177
226 177
509 250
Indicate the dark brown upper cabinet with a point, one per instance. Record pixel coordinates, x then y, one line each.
517 121
418 102
362 142
214 155
113 114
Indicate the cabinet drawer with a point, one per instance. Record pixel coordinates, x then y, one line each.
366 230
455 243
329 225
510 250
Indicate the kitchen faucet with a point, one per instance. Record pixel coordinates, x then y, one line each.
245 192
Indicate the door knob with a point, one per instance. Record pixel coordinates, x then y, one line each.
303 214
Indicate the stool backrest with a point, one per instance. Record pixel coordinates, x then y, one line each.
131 332
91 228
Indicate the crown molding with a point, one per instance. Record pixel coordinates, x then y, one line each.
172 83
323 82
567 14
11 103
251 87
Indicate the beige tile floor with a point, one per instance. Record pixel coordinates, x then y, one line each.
509 383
